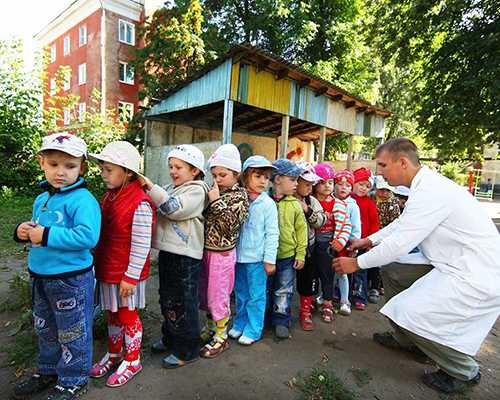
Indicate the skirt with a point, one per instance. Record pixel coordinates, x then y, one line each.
108 296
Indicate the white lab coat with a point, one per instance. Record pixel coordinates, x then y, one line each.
457 303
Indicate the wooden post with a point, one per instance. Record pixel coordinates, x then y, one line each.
285 124
147 135
322 144
349 153
227 123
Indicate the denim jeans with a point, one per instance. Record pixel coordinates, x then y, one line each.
342 283
360 286
250 291
62 315
280 288
179 276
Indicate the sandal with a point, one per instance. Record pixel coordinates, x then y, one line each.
327 313
107 363
172 362
124 373
216 346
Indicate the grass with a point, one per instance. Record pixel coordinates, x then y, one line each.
324 385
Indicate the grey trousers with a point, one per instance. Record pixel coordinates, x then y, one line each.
398 277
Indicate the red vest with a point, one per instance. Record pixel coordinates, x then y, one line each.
113 250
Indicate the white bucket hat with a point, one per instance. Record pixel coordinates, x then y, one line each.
226 156
308 173
65 142
120 153
381 183
402 191
190 154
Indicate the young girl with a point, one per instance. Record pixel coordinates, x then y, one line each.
331 238
180 238
256 253
122 259
344 181
225 214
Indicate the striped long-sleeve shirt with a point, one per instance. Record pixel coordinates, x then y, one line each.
338 222
140 241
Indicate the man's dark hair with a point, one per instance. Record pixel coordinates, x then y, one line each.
400 147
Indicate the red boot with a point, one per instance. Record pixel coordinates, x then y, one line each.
305 316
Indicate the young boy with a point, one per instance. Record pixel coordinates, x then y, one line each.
363 182
65 226
292 245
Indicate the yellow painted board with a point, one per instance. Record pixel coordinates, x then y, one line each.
235 76
265 92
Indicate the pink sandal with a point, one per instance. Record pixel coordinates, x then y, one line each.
125 372
108 362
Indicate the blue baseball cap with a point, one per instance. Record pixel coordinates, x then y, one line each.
286 167
256 162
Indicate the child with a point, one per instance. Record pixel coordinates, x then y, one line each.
344 181
225 214
180 238
292 245
122 259
315 217
363 181
64 229
401 193
331 238
387 204
256 253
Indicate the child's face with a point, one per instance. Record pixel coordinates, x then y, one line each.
286 184
181 172
113 175
258 180
60 168
362 188
343 189
383 194
324 188
225 178
402 201
304 188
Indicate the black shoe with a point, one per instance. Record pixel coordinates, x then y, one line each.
386 339
67 393
442 382
159 347
33 385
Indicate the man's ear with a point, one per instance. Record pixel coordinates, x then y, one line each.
404 162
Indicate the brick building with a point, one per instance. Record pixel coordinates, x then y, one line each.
95 38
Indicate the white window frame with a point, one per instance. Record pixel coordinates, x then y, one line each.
123 38
82 74
128 73
53 86
53 53
82 109
67 82
66 45
122 106
66 116
82 35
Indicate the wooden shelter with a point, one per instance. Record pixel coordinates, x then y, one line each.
259 102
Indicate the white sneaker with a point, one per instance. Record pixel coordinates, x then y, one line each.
245 341
345 309
234 334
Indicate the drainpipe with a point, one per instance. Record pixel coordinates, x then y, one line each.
103 60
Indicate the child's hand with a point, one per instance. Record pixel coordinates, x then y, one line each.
298 264
269 268
126 289
23 230
145 182
35 234
214 193
336 246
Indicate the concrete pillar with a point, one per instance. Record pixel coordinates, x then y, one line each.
322 144
349 153
227 123
285 124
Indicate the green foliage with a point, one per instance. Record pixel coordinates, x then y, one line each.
454 171
20 118
323 385
15 209
173 48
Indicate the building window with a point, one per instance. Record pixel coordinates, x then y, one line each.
67 81
53 53
53 86
126 73
66 45
82 74
82 35
125 111
126 32
82 108
66 116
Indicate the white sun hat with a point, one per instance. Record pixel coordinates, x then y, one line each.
65 142
402 191
308 173
226 156
381 183
190 154
120 153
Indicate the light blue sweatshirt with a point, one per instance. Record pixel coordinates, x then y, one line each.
355 216
259 236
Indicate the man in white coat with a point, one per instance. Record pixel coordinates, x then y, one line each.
447 309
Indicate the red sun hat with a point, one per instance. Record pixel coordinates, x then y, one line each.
363 174
344 175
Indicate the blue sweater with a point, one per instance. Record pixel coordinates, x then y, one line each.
259 236
72 220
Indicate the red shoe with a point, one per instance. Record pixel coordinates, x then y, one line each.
305 316
327 313
359 306
125 372
102 367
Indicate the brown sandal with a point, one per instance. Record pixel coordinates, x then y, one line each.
216 346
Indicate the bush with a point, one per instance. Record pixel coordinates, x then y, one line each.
454 171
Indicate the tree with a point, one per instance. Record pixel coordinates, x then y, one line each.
451 52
